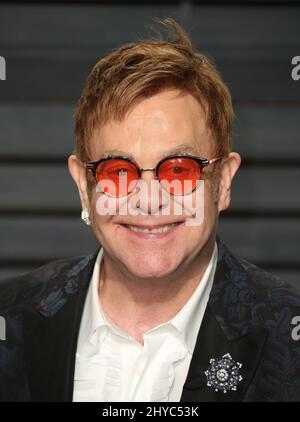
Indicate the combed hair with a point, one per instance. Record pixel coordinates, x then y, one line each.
142 69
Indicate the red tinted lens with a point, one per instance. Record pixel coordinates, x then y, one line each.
179 175
115 176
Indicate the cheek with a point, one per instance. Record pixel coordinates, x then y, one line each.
211 196
213 190
201 207
101 221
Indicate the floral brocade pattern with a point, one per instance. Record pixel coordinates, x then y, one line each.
244 298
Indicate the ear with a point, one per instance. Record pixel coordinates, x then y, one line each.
229 167
78 173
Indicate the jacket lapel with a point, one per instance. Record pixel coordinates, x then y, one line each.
212 343
227 327
51 331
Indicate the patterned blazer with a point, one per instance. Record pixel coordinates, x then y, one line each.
248 315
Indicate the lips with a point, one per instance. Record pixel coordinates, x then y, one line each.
157 229
149 225
152 231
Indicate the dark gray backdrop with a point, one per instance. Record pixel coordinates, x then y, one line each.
50 48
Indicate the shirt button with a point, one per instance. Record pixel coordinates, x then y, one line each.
140 369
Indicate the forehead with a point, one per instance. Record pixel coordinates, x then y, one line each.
170 121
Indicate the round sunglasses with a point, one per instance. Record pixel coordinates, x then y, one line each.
178 174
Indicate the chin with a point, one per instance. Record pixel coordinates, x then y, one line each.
152 266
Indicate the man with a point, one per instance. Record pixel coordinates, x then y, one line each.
162 311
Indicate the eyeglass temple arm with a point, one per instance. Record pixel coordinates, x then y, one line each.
213 160
91 167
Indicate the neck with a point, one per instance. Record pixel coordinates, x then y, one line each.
136 305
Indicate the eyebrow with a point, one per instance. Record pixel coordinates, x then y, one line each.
180 149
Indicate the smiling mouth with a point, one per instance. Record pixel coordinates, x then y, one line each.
158 229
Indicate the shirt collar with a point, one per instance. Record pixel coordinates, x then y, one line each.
186 322
93 318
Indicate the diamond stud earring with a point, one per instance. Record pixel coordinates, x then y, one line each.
85 216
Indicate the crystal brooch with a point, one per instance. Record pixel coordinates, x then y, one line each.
223 374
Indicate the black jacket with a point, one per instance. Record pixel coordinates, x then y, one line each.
248 315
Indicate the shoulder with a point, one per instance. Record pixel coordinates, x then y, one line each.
249 297
275 307
17 292
269 290
252 285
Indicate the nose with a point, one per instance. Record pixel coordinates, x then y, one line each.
150 198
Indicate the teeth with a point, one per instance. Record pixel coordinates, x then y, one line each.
162 229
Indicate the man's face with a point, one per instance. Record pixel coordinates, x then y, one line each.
170 121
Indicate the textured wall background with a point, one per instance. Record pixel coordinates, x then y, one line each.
49 50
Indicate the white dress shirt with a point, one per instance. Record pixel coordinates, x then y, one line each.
113 366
